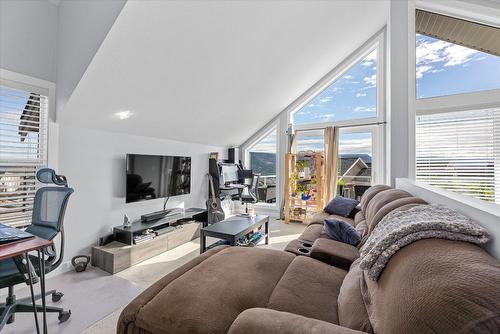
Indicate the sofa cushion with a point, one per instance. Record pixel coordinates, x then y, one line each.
259 321
435 286
370 193
309 288
379 201
341 206
341 231
352 311
208 297
313 232
404 203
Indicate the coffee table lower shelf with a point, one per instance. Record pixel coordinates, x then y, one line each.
233 228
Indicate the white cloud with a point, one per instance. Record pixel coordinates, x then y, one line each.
364 109
355 146
360 94
372 56
326 116
348 77
267 144
325 99
432 55
457 55
371 80
302 112
422 69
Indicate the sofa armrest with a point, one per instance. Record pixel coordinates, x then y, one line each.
262 320
334 253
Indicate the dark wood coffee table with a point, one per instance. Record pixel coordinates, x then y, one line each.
233 228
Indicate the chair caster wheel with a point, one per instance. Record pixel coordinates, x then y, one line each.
56 296
64 316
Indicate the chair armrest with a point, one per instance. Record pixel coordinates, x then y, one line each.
334 253
262 320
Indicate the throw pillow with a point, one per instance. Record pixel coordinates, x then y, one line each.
341 206
339 230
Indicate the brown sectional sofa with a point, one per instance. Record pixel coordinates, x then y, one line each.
375 204
430 286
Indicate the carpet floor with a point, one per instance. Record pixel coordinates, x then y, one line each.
96 298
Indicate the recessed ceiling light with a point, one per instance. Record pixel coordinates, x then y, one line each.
123 114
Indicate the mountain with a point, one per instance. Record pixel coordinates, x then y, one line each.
263 163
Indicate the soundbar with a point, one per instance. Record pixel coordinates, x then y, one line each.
159 214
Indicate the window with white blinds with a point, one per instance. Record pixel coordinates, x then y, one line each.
23 149
460 151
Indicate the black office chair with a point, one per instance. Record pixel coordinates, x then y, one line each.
49 207
253 195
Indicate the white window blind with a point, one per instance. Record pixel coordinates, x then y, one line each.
460 151
23 149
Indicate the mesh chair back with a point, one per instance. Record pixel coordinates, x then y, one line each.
253 188
48 211
49 207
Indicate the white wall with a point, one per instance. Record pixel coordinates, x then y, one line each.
82 27
94 163
28 34
400 92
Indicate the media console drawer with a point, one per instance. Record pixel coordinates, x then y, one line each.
116 256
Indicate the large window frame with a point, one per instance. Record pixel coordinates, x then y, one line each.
375 125
48 126
456 103
487 99
378 149
377 42
266 131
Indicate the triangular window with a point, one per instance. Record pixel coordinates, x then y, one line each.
352 96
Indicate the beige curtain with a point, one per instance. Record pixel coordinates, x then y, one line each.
331 164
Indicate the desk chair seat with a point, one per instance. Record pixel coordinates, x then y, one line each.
49 207
9 274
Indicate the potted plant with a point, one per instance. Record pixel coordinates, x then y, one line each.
301 188
341 184
301 165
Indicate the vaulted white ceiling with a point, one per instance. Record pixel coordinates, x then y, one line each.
214 72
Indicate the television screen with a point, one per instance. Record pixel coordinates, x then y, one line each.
156 176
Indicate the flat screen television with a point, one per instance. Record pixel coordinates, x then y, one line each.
157 176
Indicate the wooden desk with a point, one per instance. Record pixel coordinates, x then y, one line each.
22 248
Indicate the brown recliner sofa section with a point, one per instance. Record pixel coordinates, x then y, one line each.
430 286
375 204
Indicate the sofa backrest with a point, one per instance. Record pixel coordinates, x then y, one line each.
369 193
377 202
435 286
430 286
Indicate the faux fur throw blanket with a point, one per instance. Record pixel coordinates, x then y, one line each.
401 228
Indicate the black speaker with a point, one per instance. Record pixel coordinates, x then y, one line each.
233 154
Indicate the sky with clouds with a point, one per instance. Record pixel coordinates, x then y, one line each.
442 68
